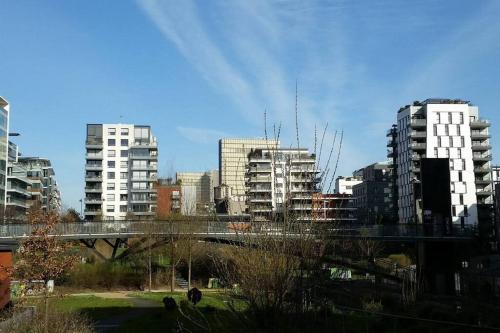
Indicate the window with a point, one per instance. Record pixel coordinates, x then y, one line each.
458 130
110 197
454 211
123 208
111 186
461 118
466 213
123 153
460 176
463 164
111 131
123 197
459 153
123 186
124 164
111 164
111 142
435 152
110 208
447 152
447 129
124 131
439 141
461 199
435 130
462 141
450 138
124 142
111 153
111 175
450 118
123 175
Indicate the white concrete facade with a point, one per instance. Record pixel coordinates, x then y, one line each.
344 185
444 129
120 172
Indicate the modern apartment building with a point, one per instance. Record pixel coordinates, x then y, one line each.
344 185
18 185
442 129
280 181
233 158
373 196
204 183
41 182
120 172
4 142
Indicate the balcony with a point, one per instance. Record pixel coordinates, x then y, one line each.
17 202
418 146
143 167
93 156
93 167
93 189
93 200
260 200
302 207
478 135
142 190
93 178
148 213
479 123
92 212
418 134
481 158
480 146
144 157
260 189
482 169
259 179
417 157
93 143
144 179
260 169
20 190
418 123
484 192
482 181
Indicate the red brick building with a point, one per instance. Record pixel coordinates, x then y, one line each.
168 198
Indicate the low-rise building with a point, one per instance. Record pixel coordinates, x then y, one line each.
344 185
333 208
168 196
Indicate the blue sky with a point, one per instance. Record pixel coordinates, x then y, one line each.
198 71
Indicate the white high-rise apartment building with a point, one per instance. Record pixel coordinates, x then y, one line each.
233 159
281 179
443 128
120 172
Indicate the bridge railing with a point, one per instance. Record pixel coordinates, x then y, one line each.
144 228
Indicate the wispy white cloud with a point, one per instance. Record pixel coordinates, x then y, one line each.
201 135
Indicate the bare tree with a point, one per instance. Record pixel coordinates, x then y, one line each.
43 255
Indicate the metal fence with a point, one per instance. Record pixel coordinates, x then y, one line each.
127 229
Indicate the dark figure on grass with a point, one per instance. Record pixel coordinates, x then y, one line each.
194 295
169 303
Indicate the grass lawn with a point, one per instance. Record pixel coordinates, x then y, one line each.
212 311
94 307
